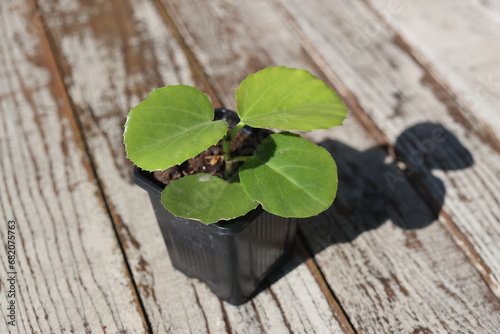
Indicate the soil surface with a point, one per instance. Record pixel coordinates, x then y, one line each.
211 160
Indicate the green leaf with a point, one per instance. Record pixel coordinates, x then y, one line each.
288 99
173 124
290 176
207 198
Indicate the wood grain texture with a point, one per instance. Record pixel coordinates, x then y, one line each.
212 31
459 43
71 274
397 94
112 54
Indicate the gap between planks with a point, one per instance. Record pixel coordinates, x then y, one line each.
372 129
340 314
193 61
101 194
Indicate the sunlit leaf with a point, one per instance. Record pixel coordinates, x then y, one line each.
290 176
207 198
171 125
288 99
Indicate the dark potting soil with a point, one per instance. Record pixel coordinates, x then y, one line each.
211 160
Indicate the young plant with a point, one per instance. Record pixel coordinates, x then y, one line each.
288 175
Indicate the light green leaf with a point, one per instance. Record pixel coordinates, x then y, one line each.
207 198
288 99
290 176
173 124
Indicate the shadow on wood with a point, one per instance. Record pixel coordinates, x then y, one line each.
374 189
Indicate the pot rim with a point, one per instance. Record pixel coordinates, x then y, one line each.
148 182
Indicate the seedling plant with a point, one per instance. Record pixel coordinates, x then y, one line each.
287 174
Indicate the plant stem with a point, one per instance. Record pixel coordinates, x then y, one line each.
229 168
226 149
241 158
236 129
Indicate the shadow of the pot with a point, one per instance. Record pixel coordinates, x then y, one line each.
373 190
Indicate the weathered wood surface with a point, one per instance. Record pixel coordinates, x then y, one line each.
71 274
463 57
413 252
113 54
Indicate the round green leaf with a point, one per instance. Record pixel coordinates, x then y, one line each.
207 198
288 99
173 124
290 176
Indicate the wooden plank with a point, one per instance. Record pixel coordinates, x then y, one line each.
226 53
112 54
71 274
397 94
459 43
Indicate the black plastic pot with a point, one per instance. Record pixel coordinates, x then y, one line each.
233 258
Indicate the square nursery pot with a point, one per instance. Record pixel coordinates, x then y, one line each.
234 257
